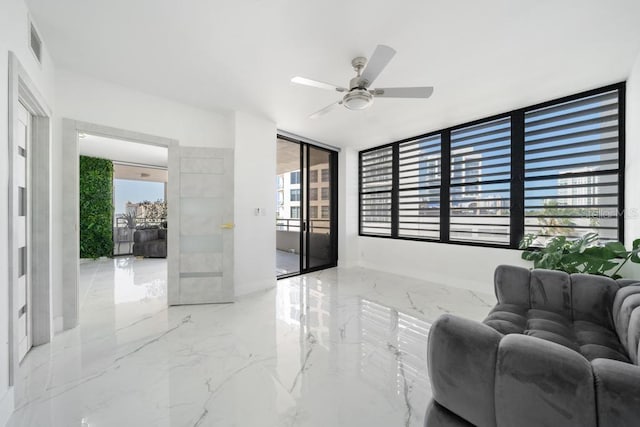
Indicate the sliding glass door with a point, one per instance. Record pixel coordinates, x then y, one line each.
306 217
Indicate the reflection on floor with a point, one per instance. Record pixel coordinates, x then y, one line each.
289 262
339 347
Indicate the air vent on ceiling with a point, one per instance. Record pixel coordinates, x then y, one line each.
35 42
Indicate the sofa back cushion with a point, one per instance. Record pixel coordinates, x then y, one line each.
626 317
576 297
592 298
551 291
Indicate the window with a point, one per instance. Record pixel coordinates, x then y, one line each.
295 194
313 212
313 194
419 188
280 196
375 192
550 169
572 168
295 177
295 212
480 183
325 212
325 175
279 182
313 176
325 193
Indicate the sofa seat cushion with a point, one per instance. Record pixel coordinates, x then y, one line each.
590 339
507 319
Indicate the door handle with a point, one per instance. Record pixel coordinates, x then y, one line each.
227 225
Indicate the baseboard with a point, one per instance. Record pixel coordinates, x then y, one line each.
58 325
242 289
6 407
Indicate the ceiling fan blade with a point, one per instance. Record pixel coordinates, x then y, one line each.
403 92
325 110
315 83
378 61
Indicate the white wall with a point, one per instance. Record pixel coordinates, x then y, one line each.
14 36
87 99
467 267
348 241
632 169
255 187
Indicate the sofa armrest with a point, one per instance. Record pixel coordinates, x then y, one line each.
617 392
462 359
541 383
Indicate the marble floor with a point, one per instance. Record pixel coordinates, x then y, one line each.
339 347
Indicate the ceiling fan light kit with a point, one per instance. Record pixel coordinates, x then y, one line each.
357 99
359 96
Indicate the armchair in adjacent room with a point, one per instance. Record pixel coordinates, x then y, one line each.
150 243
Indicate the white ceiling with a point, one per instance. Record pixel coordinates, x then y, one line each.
122 151
483 57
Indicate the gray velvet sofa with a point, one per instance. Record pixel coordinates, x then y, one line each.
150 243
557 350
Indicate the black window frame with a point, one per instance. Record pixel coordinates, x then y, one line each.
294 178
517 212
295 194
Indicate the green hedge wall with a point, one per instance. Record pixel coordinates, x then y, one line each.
96 207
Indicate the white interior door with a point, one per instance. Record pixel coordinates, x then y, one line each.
204 254
21 212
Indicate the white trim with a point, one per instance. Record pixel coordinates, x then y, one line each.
71 213
6 406
23 90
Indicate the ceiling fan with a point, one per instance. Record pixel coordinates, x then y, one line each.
358 96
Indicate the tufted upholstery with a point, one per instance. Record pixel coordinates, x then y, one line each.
573 311
564 354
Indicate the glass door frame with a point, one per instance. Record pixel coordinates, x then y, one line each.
305 230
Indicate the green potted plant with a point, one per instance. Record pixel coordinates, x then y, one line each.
581 255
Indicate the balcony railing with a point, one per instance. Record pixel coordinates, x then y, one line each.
293 224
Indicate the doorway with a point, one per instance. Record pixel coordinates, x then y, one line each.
306 217
139 202
28 306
